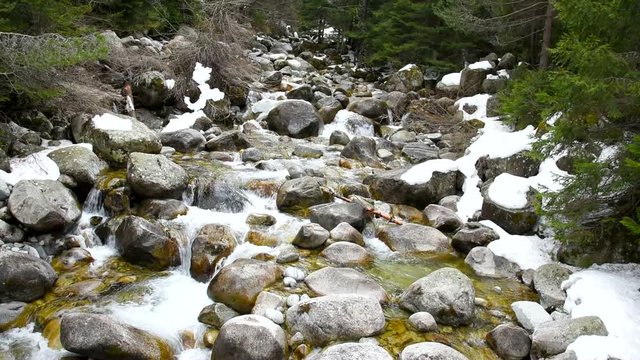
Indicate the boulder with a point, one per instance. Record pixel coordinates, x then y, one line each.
330 281
238 285
44 205
530 314
218 194
295 118
115 136
24 277
507 62
102 337
145 243
270 305
409 78
232 140
471 81
414 238
165 209
389 186
493 84
547 280
516 221
509 341
473 234
216 315
185 140
155 176
302 193
447 294
272 78
329 216
328 107
353 351
423 322
442 218
398 102
521 164
10 233
307 151
369 107
552 338
78 162
346 254
212 244
338 137
345 232
324 319
418 152
429 351
485 263
9 313
250 337
302 92
363 149
311 236
149 90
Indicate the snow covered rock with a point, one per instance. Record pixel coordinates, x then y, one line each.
471 80
145 243
414 238
430 350
353 351
473 234
155 176
24 277
114 137
102 337
547 280
485 263
238 285
447 294
509 341
295 118
510 205
552 338
329 216
250 337
530 314
324 319
44 205
330 281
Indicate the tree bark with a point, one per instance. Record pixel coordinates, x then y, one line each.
546 38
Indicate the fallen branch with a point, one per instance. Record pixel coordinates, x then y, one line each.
369 209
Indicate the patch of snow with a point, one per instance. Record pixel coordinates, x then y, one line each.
501 74
553 118
484 65
108 121
183 121
422 173
509 191
529 252
169 83
408 67
37 166
452 79
201 75
610 292
609 153
479 101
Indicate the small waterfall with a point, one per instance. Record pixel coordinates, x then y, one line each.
390 116
94 203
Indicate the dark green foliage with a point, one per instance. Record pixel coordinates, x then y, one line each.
36 17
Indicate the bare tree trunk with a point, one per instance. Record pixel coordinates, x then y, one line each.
546 38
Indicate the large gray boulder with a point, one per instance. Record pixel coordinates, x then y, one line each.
295 118
344 253
554 337
44 205
145 243
250 337
447 294
530 314
10 233
78 162
24 277
328 107
414 238
353 351
311 236
238 285
520 164
409 78
185 140
155 176
105 338
302 193
514 221
212 244
473 234
471 81
345 232
547 280
330 280
369 107
324 319
331 215
485 263
232 140
115 136
363 149
389 186
442 218
430 351
509 341
9 313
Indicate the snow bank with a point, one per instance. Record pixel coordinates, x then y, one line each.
479 101
481 65
611 292
452 79
509 191
184 121
422 173
529 252
109 121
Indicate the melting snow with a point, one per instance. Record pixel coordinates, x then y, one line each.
452 79
484 65
529 252
109 121
408 67
422 173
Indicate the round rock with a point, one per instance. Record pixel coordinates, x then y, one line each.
346 254
250 337
353 351
430 351
330 280
155 176
24 277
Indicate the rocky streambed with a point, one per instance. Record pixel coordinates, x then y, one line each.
339 219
